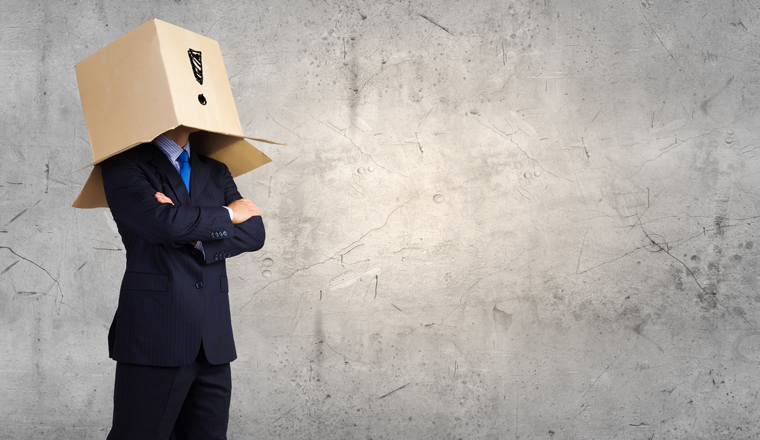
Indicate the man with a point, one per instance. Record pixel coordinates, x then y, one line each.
180 216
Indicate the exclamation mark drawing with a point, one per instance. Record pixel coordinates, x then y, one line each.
195 61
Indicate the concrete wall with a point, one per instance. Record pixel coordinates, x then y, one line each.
493 220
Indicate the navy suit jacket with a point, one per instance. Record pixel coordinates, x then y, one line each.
171 297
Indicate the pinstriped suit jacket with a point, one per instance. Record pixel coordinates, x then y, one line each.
171 297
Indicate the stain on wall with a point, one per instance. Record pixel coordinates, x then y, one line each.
526 219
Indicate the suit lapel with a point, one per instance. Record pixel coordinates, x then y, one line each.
160 161
199 173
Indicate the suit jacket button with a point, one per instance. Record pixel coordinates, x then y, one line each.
198 285
224 233
212 235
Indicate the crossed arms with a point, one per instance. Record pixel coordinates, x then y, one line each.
134 202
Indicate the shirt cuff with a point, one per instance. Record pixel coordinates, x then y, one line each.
199 246
228 210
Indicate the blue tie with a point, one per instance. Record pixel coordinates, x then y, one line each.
184 169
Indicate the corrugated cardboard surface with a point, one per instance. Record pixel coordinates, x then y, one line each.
144 84
238 154
125 93
219 114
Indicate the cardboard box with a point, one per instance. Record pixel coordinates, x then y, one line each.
152 80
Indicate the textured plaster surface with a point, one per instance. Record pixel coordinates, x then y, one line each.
493 220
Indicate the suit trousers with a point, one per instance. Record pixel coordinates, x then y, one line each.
178 403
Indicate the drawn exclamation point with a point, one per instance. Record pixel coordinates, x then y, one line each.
195 61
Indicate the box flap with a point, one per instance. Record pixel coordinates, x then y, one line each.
234 151
93 195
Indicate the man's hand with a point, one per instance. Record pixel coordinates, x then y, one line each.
162 198
242 210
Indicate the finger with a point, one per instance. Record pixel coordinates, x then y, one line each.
163 199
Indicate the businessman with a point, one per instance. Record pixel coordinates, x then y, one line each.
180 217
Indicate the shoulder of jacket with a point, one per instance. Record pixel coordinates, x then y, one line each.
135 153
211 162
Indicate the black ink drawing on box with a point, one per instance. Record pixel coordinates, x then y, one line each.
195 61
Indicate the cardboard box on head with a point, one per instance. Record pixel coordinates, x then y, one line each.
152 80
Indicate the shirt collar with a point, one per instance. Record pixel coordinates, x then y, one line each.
170 148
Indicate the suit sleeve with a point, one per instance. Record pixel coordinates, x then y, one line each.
130 197
248 236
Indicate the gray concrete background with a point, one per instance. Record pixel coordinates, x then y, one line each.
493 220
